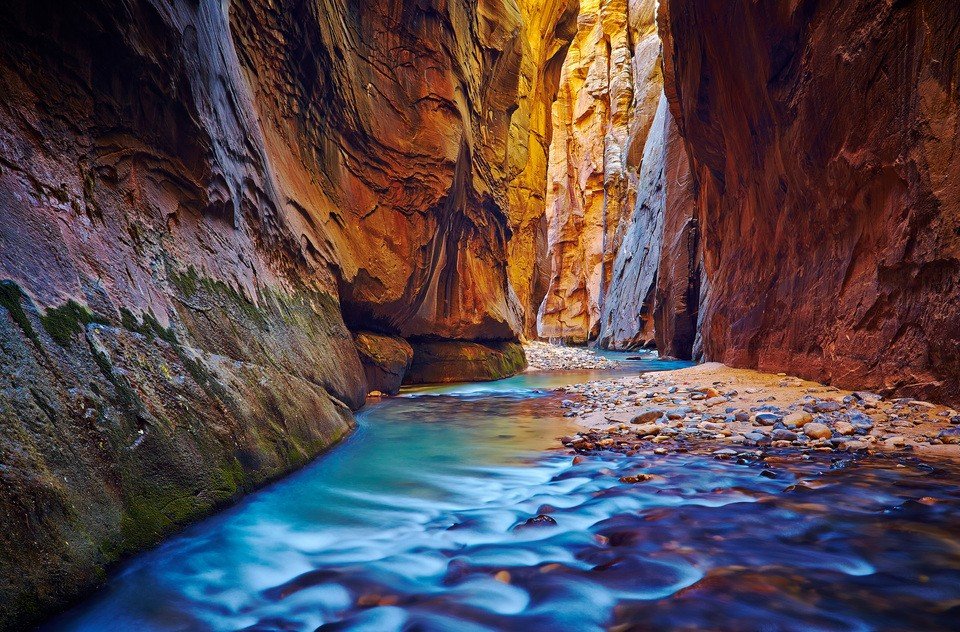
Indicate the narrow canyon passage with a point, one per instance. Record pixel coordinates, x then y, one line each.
540 304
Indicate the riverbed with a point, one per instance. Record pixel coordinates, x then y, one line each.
425 519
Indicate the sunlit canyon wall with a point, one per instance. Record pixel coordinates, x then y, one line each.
202 203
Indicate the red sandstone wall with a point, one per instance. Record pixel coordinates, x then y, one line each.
825 147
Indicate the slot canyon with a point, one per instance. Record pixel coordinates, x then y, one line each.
239 234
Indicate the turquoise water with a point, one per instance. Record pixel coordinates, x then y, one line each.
410 524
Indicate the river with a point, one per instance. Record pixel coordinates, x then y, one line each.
411 524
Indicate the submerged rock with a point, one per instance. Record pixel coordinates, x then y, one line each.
538 521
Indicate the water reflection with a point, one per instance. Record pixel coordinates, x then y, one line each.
410 525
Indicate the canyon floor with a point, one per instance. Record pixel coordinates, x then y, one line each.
712 407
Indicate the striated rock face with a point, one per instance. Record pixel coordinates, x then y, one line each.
196 200
389 129
680 285
608 95
548 28
627 319
825 147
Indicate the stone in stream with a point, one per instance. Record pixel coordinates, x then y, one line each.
816 430
540 520
714 401
844 428
639 478
782 434
827 406
861 422
866 396
644 430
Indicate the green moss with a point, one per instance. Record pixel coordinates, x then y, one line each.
246 307
66 321
128 320
152 327
232 477
187 282
10 298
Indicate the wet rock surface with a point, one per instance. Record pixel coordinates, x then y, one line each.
422 535
194 198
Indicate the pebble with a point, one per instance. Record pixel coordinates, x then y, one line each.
647 417
844 428
816 430
644 430
827 406
546 356
860 421
766 419
540 520
950 435
798 419
680 417
639 478
782 434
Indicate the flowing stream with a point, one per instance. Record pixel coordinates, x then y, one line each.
410 524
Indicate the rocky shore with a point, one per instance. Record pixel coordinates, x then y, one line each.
718 409
543 356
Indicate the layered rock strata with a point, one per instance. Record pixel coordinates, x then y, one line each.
825 145
608 96
681 284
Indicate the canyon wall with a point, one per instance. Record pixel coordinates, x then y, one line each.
627 318
548 29
198 202
608 95
824 140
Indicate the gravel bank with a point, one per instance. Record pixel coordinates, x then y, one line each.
543 356
713 407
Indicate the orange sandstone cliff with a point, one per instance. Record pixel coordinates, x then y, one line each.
199 201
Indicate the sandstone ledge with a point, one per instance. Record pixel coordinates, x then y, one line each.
444 361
